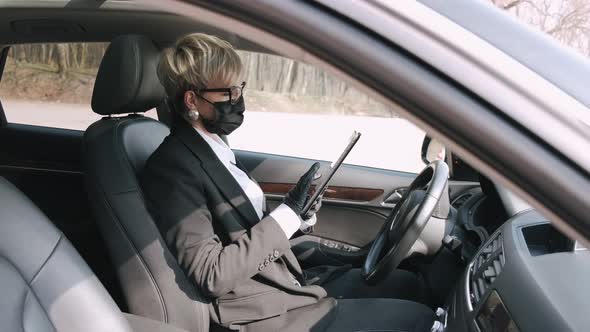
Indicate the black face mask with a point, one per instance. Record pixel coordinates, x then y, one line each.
228 117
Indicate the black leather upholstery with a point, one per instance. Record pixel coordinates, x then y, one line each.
44 284
116 150
126 81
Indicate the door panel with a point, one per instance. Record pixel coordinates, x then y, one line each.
45 164
352 225
350 194
273 170
34 147
357 204
351 214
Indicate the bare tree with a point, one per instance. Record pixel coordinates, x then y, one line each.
62 58
568 21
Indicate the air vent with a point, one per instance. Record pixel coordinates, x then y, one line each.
486 267
459 201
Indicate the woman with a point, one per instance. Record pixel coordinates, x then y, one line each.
213 216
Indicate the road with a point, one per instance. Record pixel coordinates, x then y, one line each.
389 143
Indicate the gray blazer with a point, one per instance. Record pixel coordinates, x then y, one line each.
245 265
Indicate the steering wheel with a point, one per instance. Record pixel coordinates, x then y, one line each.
406 221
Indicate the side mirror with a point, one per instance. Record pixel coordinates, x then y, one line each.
432 150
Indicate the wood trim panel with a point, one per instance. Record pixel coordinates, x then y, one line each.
334 192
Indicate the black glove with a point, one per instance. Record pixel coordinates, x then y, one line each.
297 197
315 207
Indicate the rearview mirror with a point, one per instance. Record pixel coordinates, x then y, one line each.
432 150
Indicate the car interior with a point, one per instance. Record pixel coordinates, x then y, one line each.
79 250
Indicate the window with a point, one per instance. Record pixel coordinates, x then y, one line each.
51 84
305 112
565 21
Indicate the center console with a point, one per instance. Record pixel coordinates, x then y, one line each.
526 277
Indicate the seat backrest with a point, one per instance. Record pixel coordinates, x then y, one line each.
44 284
116 149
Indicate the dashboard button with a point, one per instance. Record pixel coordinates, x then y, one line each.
489 273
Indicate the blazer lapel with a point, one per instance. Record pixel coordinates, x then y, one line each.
232 191
220 175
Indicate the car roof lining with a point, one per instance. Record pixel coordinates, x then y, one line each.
43 25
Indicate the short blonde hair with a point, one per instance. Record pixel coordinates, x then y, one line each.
196 60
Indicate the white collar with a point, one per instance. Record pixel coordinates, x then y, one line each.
221 150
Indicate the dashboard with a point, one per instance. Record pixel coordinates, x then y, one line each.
526 276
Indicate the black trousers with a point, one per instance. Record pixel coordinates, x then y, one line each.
382 315
399 284
354 315
390 305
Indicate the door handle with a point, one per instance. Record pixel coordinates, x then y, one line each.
395 196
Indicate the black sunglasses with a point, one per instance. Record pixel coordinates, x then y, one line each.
234 92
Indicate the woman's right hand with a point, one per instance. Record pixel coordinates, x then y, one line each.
297 197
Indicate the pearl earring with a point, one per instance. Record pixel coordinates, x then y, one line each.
193 115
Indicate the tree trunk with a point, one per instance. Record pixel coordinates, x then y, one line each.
83 55
62 58
21 54
291 76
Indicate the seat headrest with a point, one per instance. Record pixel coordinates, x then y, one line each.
127 81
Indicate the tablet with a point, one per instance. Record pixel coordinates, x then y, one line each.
321 187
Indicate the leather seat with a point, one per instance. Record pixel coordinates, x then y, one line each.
116 149
44 284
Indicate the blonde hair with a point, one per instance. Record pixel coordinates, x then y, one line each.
194 61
